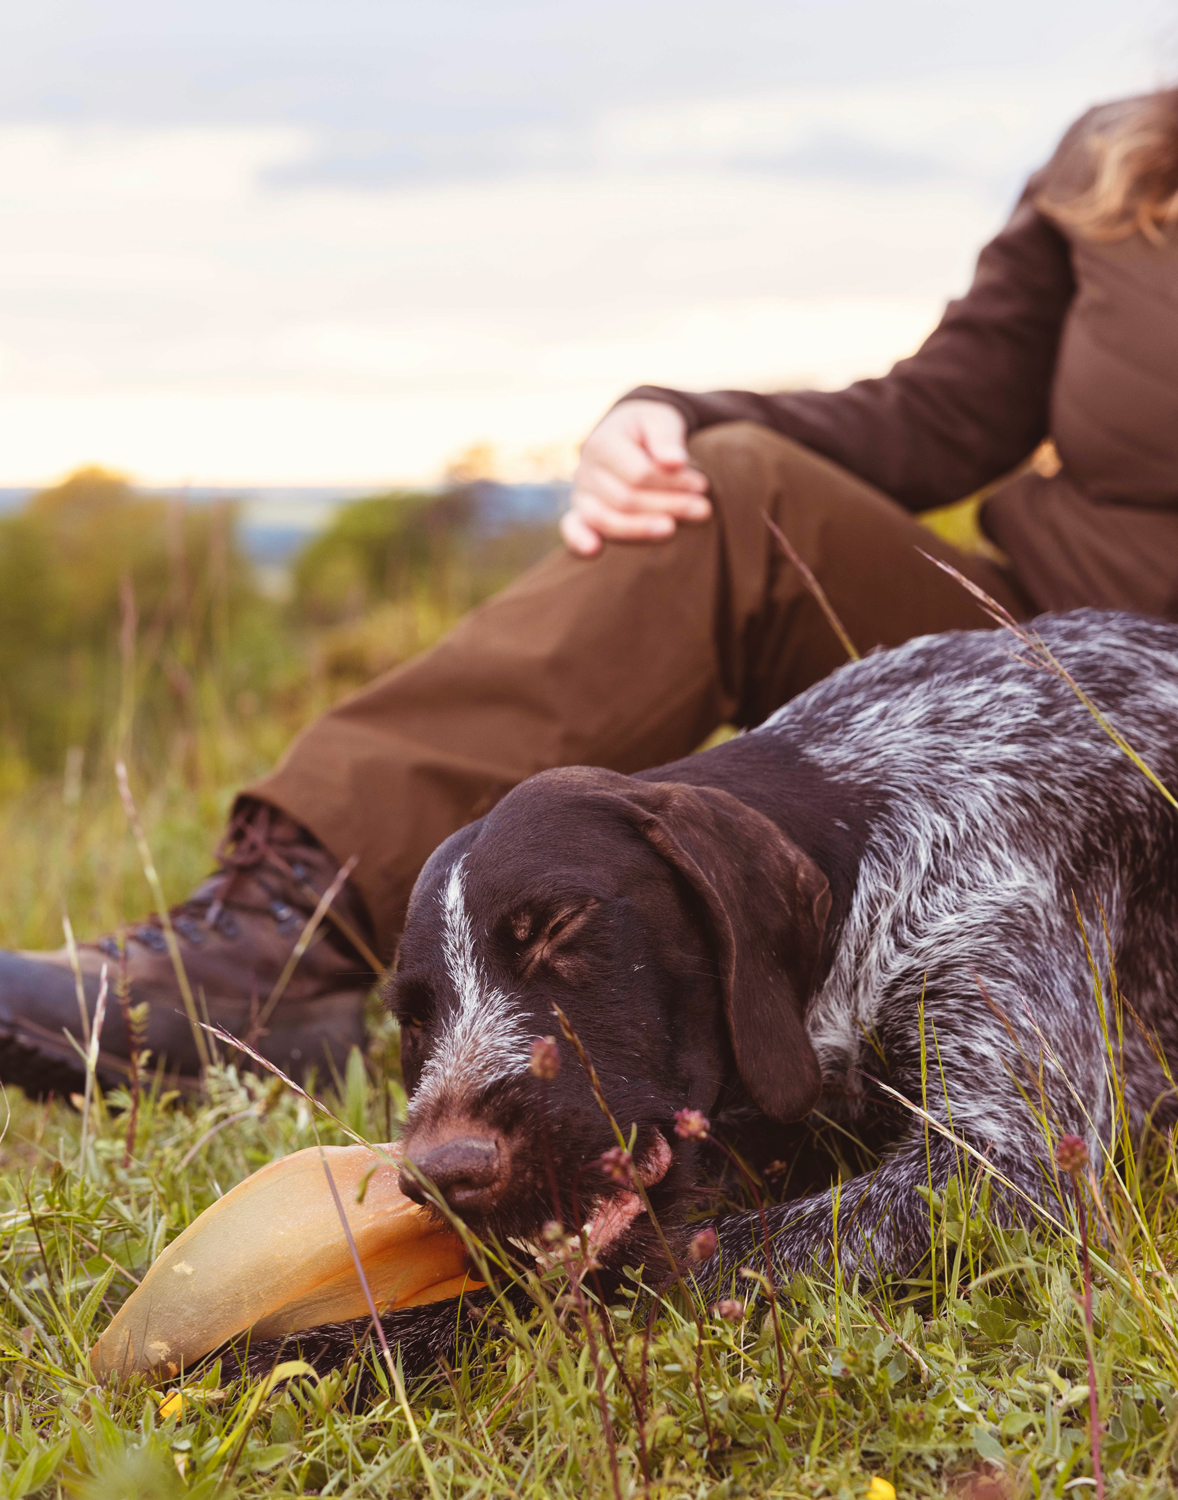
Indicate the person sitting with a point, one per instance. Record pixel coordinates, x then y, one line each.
674 610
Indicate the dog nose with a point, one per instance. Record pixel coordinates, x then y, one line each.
464 1171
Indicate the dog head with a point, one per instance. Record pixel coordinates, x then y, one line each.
679 932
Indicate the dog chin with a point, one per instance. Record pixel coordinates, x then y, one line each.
616 1222
617 1213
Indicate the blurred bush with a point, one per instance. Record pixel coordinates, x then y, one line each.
387 547
132 624
393 572
117 605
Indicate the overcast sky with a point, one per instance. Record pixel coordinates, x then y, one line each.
321 241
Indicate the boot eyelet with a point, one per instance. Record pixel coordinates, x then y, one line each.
187 928
285 916
227 924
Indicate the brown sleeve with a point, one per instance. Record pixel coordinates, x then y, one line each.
968 406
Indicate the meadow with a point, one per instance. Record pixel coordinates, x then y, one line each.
131 628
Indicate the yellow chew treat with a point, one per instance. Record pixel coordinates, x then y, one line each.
271 1256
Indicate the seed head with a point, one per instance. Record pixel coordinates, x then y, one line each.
618 1166
731 1310
691 1125
703 1246
552 1234
1071 1155
545 1061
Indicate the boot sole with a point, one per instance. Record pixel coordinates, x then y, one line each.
41 1064
41 1060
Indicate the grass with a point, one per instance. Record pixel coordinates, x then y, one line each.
972 1378
982 1370
978 1370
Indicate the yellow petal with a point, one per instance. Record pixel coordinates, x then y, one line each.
171 1406
880 1489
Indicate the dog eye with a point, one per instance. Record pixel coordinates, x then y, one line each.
412 1003
571 920
539 939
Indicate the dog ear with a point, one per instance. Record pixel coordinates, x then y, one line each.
766 903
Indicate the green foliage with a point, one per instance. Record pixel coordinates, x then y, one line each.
978 1368
110 600
393 572
132 625
386 547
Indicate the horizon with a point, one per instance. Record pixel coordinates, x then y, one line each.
275 522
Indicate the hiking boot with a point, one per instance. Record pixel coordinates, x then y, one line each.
238 938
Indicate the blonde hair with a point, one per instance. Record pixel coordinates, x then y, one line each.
1135 185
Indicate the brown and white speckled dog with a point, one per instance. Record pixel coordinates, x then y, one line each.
751 933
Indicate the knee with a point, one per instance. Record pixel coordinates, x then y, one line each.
737 457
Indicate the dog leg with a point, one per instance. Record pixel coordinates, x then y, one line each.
877 1224
421 1337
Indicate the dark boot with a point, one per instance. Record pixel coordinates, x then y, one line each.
236 935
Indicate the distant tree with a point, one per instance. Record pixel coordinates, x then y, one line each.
388 546
100 583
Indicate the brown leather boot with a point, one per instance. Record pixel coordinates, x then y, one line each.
236 937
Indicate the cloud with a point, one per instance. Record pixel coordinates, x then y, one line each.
167 312
397 92
273 240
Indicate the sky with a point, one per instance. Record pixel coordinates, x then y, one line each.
343 241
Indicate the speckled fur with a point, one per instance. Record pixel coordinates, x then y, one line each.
1001 807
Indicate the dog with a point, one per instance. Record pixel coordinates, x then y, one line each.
886 903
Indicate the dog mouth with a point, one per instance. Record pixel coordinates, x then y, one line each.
615 1206
616 1212
613 1213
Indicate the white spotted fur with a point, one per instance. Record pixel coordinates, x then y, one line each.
485 1040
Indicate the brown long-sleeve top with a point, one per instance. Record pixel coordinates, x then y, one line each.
1057 336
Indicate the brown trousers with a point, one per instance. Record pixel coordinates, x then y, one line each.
626 660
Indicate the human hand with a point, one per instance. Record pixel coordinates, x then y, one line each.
634 481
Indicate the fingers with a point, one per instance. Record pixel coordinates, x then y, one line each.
589 519
636 468
642 444
578 536
623 525
659 494
661 431
664 441
634 481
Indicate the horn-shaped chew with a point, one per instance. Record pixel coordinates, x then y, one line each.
271 1257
